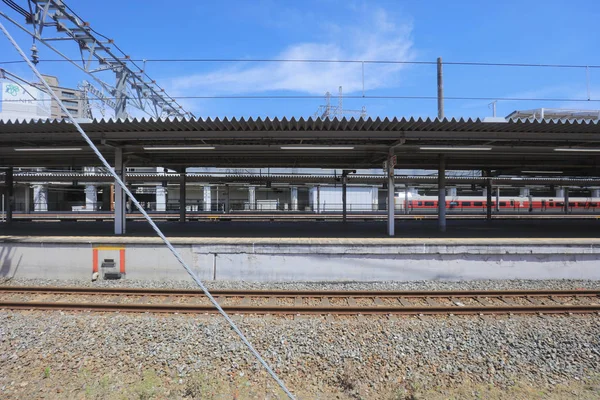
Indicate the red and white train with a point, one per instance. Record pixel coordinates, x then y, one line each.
505 203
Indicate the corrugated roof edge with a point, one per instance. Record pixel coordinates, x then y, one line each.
22 121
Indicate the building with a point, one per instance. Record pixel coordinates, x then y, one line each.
74 100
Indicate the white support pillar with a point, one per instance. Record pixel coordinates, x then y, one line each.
120 221
560 192
252 197
91 198
524 192
566 200
161 198
294 198
40 197
596 193
207 198
442 194
391 191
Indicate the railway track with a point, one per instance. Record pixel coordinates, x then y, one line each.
301 302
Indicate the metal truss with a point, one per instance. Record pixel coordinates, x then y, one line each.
52 21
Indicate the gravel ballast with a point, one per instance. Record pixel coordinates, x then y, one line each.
88 355
114 355
513 284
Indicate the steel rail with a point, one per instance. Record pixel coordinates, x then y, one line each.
294 310
296 293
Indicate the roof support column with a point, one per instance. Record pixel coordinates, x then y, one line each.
345 174
120 220
566 200
27 195
344 188
391 190
442 194
294 198
488 192
182 196
228 199
207 198
9 200
252 197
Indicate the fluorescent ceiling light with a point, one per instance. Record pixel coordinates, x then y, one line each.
542 172
455 148
317 147
578 150
47 148
167 148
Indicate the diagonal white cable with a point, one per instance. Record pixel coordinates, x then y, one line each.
152 224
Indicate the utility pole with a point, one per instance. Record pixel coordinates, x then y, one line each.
440 88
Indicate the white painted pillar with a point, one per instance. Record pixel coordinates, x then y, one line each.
442 194
560 192
391 192
120 220
524 192
252 197
294 198
451 192
161 198
40 197
595 192
207 198
91 198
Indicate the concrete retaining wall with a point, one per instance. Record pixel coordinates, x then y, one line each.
308 262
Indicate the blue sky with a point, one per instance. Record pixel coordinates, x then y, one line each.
549 32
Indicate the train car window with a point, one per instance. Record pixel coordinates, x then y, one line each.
454 203
512 203
466 204
551 204
429 204
580 204
478 203
502 204
593 204
572 204
560 204
419 203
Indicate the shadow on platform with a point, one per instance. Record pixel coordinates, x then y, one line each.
571 228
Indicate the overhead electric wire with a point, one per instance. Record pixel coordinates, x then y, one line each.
120 182
367 97
329 61
17 8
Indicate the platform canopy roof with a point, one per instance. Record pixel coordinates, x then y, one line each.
570 146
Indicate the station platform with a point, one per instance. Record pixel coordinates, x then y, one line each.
306 251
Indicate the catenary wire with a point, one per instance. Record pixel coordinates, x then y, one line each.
329 61
367 97
120 182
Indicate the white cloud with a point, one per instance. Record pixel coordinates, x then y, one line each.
375 37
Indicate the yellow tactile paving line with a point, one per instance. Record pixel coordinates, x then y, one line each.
300 241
